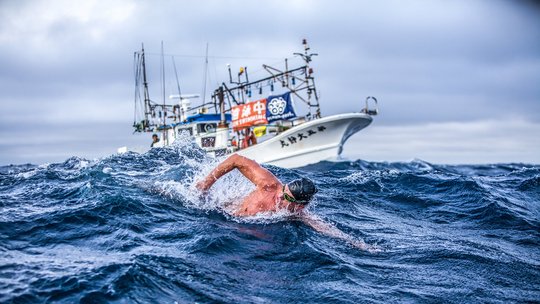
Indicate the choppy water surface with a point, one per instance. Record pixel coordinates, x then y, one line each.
131 228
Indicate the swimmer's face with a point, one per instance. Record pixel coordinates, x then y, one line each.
288 199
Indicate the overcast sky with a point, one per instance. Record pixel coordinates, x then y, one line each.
457 81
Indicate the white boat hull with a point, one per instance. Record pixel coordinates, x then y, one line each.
310 142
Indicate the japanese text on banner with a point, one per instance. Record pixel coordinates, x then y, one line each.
249 114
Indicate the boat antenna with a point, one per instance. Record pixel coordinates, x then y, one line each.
137 95
176 74
179 91
205 72
311 89
306 56
163 89
145 83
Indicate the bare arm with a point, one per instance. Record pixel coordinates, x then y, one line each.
258 175
323 227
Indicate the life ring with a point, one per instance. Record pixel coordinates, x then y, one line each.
208 128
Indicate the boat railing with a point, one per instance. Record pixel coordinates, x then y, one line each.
369 111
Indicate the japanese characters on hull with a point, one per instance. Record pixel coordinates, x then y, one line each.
300 136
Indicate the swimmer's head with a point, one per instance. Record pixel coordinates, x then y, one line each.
302 189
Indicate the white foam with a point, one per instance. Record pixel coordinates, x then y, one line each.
361 177
27 174
225 195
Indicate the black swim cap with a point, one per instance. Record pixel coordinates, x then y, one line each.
302 189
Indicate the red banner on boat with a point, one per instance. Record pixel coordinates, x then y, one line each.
249 114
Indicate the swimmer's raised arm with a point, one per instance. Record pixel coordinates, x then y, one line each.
258 175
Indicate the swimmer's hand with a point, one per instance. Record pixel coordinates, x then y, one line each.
200 186
203 188
204 184
323 227
363 246
359 244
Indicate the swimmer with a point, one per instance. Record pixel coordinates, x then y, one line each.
270 195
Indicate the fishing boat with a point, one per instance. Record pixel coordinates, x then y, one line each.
267 129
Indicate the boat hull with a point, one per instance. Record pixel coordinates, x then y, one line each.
310 142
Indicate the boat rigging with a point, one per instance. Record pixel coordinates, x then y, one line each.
266 129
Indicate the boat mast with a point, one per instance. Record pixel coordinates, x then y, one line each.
205 72
221 99
146 94
310 80
164 109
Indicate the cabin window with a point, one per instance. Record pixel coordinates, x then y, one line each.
208 142
206 127
220 152
186 130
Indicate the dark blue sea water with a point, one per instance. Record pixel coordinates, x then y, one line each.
131 229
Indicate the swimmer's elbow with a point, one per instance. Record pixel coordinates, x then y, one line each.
234 158
239 160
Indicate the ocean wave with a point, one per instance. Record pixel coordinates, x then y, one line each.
133 228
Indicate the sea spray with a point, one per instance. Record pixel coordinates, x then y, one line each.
132 228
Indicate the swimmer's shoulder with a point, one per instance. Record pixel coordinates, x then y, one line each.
271 186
